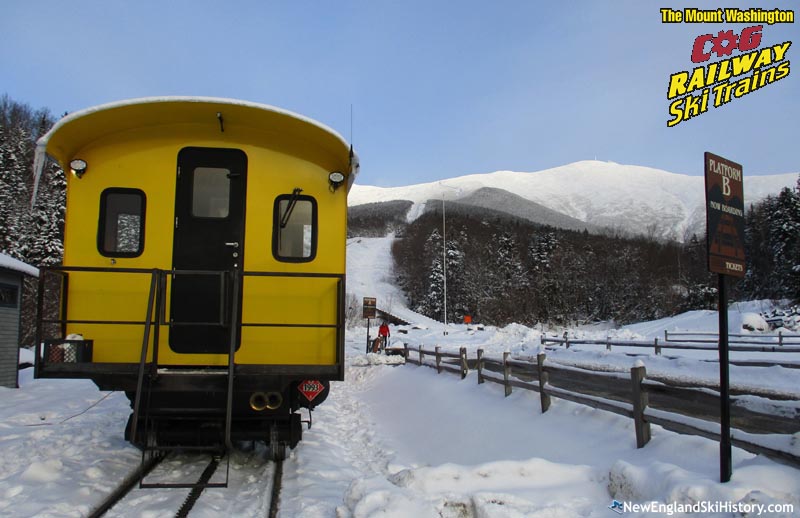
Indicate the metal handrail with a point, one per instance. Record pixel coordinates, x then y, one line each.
151 302
162 321
160 305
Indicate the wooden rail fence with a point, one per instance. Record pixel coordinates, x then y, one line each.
698 344
734 338
686 410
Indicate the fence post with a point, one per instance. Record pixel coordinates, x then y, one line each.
506 373
405 351
780 338
640 401
658 349
544 378
438 360
608 343
464 365
666 335
480 366
420 354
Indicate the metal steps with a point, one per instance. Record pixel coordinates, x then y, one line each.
148 372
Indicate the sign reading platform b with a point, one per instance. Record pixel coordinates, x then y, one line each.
724 216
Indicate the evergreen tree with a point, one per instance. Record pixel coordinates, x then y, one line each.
772 243
541 250
15 165
507 277
431 303
458 302
794 257
759 260
784 224
44 244
32 235
510 269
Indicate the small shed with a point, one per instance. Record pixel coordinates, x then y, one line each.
12 273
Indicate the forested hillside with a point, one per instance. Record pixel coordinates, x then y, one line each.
377 219
31 233
502 269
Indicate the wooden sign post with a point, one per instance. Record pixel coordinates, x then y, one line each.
369 311
725 243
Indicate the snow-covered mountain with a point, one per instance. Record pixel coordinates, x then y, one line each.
635 199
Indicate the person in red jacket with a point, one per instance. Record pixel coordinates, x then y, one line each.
383 333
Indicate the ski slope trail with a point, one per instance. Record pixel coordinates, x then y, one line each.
370 273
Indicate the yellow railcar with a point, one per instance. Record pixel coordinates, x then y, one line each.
204 265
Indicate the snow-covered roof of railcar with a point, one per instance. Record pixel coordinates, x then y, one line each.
77 129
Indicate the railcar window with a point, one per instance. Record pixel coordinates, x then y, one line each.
211 192
294 235
121 227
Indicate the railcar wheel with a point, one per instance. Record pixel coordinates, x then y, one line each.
277 451
277 448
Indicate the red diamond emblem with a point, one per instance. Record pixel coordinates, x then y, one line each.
310 389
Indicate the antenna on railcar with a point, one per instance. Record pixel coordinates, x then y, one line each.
352 154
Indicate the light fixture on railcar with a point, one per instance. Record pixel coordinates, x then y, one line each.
336 179
78 167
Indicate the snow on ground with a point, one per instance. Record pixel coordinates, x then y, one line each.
402 441
470 448
390 441
61 445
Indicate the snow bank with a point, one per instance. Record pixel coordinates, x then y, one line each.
754 322
670 484
376 359
510 488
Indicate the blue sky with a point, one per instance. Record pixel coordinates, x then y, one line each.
438 89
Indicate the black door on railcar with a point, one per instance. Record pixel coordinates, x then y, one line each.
209 238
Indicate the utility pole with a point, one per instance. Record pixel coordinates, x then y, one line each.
444 253
444 264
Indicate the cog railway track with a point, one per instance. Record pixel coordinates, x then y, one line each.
133 485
